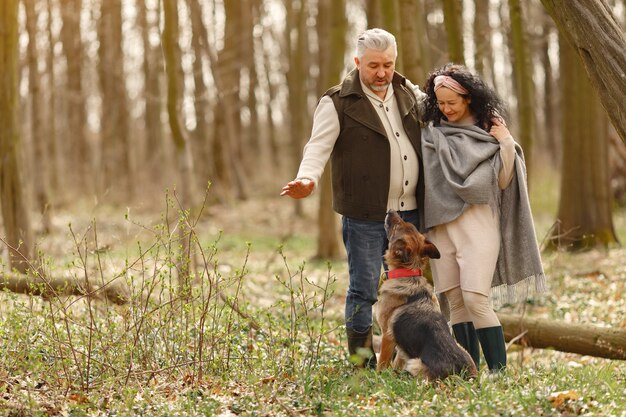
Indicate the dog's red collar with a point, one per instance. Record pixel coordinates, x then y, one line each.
404 272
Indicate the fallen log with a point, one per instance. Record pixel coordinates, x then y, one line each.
583 339
45 287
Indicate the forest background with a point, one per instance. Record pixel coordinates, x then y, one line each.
174 124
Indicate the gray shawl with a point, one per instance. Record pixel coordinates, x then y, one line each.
461 166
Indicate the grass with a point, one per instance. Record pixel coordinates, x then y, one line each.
258 332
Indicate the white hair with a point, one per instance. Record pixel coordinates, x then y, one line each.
377 39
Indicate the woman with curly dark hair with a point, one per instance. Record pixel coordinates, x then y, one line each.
476 209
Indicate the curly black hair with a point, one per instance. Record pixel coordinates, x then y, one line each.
485 105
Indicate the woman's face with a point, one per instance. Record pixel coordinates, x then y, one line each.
453 105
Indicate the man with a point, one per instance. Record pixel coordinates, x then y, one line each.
368 127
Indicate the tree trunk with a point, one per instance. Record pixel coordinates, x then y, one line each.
551 126
115 146
412 49
75 143
296 50
17 229
483 52
601 44
47 287
391 22
524 82
453 21
153 153
583 339
51 115
331 29
171 54
585 204
372 13
40 154
202 137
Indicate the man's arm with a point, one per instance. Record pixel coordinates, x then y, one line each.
317 151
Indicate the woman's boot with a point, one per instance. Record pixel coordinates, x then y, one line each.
494 348
361 349
465 335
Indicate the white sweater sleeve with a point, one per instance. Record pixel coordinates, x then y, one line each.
324 134
507 155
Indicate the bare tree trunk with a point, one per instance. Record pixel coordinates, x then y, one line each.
75 143
603 342
412 49
17 228
202 137
391 22
372 12
40 155
296 51
550 114
524 82
331 30
584 216
453 21
52 148
483 52
601 44
183 156
116 150
154 152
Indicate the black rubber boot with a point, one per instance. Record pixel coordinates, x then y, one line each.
494 348
360 348
465 334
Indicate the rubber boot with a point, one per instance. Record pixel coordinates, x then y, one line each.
494 348
465 334
360 348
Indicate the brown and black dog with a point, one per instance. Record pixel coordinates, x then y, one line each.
408 311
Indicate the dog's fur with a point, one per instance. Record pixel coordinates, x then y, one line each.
408 312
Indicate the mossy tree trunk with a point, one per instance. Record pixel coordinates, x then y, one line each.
600 43
584 215
331 30
17 234
453 21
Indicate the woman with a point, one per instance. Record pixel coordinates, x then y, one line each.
476 208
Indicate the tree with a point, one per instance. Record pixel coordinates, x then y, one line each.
483 52
40 154
171 52
115 145
452 17
17 228
152 94
584 217
331 29
523 81
600 43
413 49
75 143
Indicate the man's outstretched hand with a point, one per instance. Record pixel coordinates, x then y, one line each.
298 188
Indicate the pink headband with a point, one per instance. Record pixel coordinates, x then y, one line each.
451 83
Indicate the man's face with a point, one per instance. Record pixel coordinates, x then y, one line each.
376 68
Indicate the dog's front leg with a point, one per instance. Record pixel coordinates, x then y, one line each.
400 360
387 346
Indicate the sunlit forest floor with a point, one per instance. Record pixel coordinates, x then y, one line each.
266 246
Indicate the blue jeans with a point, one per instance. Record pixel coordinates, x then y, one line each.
366 243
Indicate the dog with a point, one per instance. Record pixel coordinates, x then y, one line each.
408 312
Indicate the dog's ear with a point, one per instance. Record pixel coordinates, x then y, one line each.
429 249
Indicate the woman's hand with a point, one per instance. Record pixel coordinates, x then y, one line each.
298 188
499 130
